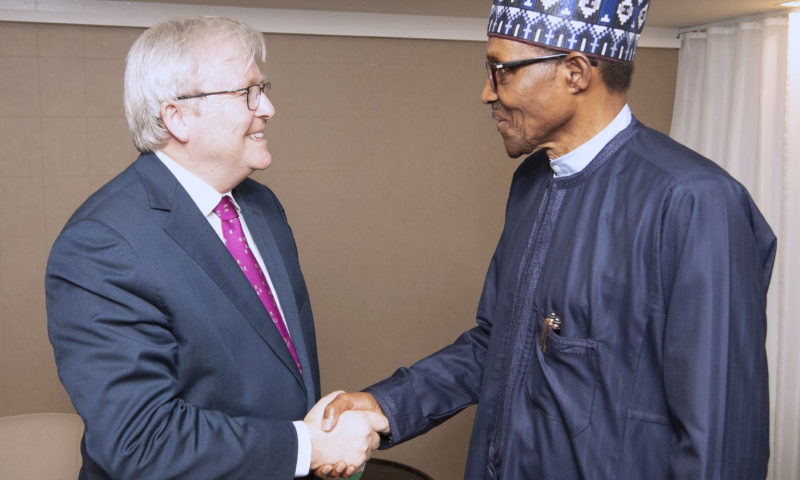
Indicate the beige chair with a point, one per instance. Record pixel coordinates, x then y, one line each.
40 446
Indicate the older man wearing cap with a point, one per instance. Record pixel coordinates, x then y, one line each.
621 330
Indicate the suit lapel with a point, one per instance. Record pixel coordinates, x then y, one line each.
190 229
259 223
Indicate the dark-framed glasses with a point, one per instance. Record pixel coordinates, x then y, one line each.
492 68
253 94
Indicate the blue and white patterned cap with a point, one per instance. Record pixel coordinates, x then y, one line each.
604 29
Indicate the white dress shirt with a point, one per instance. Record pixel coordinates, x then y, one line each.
207 198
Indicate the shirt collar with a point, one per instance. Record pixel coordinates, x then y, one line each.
204 195
576 160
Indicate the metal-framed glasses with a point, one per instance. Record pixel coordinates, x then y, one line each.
253 94
492 68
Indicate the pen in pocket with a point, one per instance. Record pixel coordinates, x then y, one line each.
551 322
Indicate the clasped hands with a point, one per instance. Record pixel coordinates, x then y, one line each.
344 430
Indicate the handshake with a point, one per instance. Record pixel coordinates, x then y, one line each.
344 430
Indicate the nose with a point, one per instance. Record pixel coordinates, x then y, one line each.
488 95
265 107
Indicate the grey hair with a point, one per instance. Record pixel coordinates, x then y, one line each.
162 64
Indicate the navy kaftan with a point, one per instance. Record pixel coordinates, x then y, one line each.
657 263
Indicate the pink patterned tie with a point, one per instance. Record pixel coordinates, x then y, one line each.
237 245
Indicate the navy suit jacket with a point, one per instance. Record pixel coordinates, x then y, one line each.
164 348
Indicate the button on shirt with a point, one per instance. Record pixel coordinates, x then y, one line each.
206 198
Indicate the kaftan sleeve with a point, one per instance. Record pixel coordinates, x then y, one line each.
420 397
434 389
715 260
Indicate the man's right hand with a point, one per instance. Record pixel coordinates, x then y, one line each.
350 401
343 450
342 405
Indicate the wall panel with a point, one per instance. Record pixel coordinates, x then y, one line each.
390 169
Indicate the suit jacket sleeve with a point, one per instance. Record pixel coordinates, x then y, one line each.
104 311
716 259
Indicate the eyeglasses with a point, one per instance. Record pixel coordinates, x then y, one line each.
253 94
492 68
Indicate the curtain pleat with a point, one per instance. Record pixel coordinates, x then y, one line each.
787 417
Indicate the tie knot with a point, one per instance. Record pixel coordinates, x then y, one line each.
225 209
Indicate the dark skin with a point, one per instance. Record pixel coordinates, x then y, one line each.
554 105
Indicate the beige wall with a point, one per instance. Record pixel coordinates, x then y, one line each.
390 169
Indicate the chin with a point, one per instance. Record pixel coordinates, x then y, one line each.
514 147
262 162
514 151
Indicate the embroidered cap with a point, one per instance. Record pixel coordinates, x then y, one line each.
604 29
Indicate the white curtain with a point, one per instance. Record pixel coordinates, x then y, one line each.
738 103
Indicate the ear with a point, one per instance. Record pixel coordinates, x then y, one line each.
174 121
580 73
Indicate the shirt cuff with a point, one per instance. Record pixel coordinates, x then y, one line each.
303 449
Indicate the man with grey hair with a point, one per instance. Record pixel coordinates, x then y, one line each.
178 314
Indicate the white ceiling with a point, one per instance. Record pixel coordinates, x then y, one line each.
663 13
